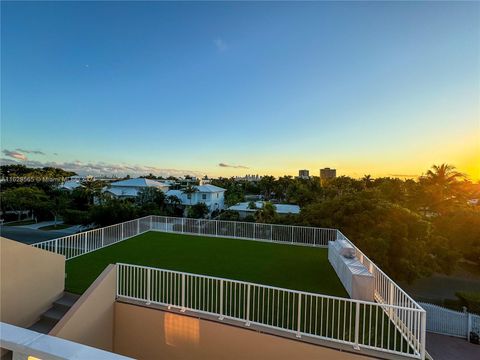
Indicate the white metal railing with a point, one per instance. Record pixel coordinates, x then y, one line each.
386 291
444 321
82 243
358 323
288 234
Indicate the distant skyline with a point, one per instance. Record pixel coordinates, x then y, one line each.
225 89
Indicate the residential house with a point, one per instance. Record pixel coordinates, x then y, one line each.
245 209
70 185
130 188
211 195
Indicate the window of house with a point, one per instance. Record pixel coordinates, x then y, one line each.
204 196
189 196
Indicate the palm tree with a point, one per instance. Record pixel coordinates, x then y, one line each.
189 190
444 175
443 185
173 200
174 204
267 213
92 189
367 180
266 185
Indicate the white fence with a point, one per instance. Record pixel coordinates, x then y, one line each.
82 243
358 323
444 321
298 235
386 290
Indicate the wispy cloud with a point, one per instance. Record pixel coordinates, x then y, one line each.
233 166
220 44
100 168
38 152
15 155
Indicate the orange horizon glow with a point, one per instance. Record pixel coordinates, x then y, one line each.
464 154
470 169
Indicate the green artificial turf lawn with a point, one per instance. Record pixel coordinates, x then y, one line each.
288 266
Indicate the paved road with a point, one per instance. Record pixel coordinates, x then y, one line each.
30 236
40 224
439 286
442 347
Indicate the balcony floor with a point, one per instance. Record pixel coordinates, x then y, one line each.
288 266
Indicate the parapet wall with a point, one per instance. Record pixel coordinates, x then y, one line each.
31 280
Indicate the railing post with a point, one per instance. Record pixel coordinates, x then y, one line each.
198 225
183 225
357 326
138 226
234 229
149 295
151 222
254 229
423 333
271 232
216 228
299 315
469 325
292 234
117 291
166 222
56 246
391 298
183 293
103 237
86 243
221 300
247 317
121 234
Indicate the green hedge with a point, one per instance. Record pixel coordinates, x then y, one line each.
75 217
471 300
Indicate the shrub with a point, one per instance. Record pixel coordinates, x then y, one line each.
71 216
470 299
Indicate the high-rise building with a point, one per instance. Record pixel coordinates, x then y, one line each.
327 173
304 174
248 177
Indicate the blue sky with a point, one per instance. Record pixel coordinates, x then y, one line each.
380 88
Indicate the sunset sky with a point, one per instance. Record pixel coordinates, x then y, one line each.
386 89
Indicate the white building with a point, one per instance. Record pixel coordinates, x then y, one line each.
130 188
211 195
243 208
70 185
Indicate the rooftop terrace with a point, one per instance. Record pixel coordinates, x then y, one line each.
273 277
